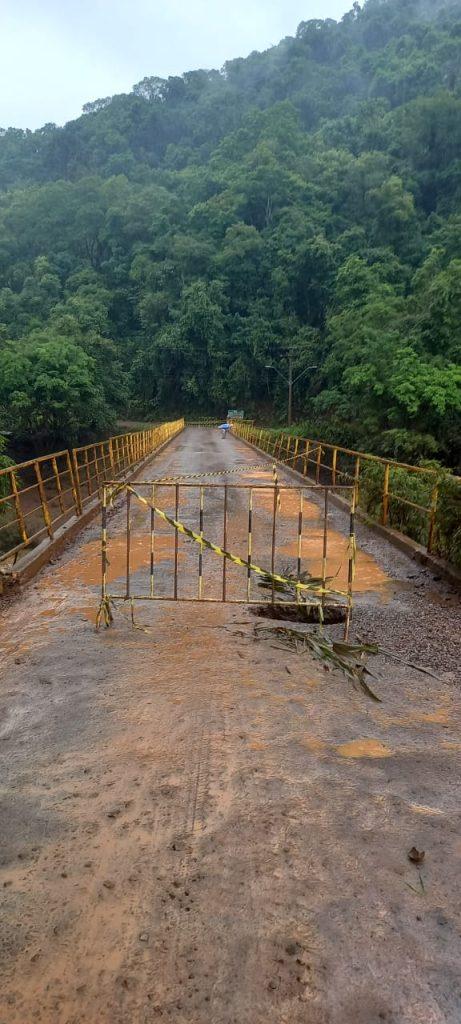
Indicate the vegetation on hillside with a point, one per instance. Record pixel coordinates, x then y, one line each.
157 253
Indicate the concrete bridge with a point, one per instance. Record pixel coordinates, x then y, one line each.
202 828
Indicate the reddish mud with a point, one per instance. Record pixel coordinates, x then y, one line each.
202 829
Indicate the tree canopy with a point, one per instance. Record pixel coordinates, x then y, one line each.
160 251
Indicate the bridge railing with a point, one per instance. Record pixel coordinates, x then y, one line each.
405 497
38 496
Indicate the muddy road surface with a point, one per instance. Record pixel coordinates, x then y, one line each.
200 828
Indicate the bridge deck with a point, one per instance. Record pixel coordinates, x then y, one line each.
198 828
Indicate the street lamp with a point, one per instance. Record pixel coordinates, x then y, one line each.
289 380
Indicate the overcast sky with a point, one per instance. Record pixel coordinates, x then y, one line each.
56 55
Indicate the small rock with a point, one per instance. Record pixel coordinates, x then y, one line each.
144 936
108 884
292 949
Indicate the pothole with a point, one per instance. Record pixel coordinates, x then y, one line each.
300 613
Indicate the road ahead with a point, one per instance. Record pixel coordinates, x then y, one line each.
199 828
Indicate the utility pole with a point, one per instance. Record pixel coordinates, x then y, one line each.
290 388
289 380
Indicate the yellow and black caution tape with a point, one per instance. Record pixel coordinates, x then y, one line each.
298 585
159 480
203 476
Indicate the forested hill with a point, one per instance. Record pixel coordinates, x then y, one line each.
162 249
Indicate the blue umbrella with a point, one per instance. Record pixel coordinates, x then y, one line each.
224 426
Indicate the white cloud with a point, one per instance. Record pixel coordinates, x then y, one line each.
56 55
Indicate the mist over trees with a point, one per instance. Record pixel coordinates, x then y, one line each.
158 252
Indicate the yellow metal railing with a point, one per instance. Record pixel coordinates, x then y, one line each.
381 483
40 495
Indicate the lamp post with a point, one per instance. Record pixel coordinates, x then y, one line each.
289 380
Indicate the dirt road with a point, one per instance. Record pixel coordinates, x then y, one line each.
202 829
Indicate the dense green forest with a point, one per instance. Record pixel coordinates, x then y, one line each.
159 251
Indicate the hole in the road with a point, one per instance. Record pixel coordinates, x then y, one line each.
300 613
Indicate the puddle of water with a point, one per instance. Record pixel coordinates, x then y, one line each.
364 748
368 574
86 566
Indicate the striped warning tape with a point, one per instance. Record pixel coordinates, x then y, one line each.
313 588
202 476
159 480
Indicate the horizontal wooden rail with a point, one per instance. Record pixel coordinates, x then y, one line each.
39 495
391 492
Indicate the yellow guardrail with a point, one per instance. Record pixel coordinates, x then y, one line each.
388 490
38 496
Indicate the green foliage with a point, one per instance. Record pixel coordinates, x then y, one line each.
158 252
49 391
4 463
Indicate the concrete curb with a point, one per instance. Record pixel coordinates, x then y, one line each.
406 545
34 559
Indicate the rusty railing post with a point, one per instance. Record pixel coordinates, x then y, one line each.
54 467
385 502
43 501
432 518
333 466
357 480
317 468
17 505
306 457
72 466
